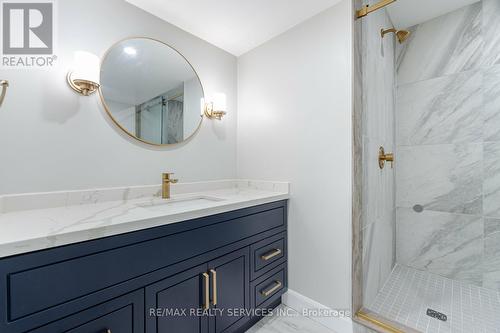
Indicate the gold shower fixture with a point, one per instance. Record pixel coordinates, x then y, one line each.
401 35
384 157
368 9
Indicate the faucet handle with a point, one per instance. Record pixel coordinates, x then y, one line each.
167 175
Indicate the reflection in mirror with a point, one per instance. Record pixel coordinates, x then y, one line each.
151 91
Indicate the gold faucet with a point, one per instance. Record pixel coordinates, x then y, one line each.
165 185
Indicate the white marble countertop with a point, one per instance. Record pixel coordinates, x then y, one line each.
31 222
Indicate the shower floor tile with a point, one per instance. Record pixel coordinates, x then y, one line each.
408 293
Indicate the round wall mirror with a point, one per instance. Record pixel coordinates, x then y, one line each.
151 91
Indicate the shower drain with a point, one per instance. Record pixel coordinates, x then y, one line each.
437 315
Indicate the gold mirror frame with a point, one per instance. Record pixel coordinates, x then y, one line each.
108 111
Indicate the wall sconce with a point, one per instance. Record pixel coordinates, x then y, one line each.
216 108
84 78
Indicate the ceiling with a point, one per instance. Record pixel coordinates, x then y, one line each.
236 26
407 13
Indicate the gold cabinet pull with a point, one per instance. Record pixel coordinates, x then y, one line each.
214 286
272 290
206 304
271 254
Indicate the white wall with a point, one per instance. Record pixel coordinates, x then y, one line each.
53 139
294 124
192 106
124 114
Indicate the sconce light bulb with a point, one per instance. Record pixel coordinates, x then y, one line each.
216 107
85 77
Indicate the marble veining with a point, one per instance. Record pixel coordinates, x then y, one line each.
443 110
491 28
491 92
448 138
491 226
107 212
491 275
445 178
174 126
378 257
357 157
491 182
446 45
378 218
446 244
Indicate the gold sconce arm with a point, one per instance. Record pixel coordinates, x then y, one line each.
210 113
83 87
4 84
369 9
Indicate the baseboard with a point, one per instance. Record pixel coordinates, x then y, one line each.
300 303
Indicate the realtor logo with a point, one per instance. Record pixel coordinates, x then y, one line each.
27 29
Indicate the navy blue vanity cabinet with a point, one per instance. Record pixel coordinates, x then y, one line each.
202 299
173 304
150 281
121 315
230 278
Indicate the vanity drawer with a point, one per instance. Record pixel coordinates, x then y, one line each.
267 254
60 281
270 286
122 315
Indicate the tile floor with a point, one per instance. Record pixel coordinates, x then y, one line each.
408 293
286 320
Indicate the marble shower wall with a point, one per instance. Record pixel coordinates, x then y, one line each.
378 194
448 146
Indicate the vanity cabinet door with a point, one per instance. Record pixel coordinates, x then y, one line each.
229 291
175 305
122 315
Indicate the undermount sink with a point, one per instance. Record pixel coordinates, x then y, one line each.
189 202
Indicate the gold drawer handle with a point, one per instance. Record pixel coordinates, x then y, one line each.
214 286
272 290
270 255
206 279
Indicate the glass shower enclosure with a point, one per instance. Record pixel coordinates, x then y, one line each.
428 235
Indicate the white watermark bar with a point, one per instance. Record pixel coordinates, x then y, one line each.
242 312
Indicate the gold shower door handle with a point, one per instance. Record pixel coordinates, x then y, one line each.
214 286
4 84
206 282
